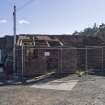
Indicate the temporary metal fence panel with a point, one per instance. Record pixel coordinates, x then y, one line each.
32 61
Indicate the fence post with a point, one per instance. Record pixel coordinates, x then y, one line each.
86 65
102 60
22 60
61 59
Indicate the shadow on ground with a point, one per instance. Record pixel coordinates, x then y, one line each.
31 81
52 77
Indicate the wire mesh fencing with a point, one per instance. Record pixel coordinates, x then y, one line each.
32 61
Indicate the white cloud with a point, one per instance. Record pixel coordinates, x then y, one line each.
3 21
24 22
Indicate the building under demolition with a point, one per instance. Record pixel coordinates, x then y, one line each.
38 54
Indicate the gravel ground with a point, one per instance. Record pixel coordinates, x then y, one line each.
89 91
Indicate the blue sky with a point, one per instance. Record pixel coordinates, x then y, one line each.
51 16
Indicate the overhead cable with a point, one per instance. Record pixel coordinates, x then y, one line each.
25 5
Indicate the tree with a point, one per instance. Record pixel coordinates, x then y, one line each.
89 31
75 33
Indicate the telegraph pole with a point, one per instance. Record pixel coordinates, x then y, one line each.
14 40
